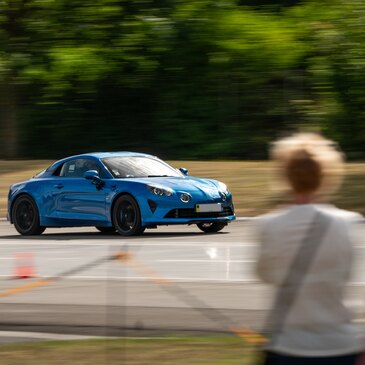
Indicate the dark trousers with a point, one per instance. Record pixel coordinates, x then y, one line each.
278 359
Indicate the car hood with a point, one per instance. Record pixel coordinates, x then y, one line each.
188 184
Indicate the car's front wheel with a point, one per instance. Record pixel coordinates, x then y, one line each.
25 216
127 216
105 229
211 227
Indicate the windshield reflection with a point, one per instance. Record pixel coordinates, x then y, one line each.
139 166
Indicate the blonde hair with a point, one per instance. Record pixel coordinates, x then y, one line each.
309 163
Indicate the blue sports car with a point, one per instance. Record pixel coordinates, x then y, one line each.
117 191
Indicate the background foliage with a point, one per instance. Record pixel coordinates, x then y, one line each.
182 79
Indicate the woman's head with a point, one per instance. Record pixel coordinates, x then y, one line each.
308 163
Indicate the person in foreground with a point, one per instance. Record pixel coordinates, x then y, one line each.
316 327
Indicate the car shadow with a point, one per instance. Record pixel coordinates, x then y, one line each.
68 236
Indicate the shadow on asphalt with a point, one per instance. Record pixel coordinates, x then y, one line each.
113 236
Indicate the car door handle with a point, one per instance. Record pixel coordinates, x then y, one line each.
59 186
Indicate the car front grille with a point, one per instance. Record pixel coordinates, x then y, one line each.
191 213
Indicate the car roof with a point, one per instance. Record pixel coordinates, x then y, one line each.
97 155
100 155
112 154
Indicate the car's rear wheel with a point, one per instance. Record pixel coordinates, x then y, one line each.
25 216
211 227
127 216
105 229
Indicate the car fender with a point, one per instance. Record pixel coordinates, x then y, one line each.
15 195
136 190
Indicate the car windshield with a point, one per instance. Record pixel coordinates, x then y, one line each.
138 166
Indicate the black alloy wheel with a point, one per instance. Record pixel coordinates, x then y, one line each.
127 216
105 229
211 227
25 216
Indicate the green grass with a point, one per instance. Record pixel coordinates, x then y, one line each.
199 350
251 182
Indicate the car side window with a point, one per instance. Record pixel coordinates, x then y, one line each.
78 166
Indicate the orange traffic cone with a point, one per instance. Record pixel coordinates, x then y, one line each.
24 268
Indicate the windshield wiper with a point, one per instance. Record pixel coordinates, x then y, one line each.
158 176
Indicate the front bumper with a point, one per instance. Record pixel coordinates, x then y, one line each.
165 212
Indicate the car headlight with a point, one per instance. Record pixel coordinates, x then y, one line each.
223 191
223 188
159 190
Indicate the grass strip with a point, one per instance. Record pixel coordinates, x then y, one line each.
250 182
195 350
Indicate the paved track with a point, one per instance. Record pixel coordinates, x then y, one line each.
181 253
211 282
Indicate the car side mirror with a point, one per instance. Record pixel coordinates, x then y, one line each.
184 171
93 175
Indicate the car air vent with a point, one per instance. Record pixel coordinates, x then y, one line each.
191 213
152 205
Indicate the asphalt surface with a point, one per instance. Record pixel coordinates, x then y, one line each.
170 279
178 253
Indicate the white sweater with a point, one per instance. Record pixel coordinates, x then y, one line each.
318 324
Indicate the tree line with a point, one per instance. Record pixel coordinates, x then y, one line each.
207 79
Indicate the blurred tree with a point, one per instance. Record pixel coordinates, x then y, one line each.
336 69
182 79
273 5
14 56
99 65
223 87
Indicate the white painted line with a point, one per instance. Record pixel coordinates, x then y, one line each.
40 258
205 260
125 244
228 261
141 278
247 280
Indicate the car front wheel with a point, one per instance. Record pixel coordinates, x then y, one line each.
211 227
25 216
127 216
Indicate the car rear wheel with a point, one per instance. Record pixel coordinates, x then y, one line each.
105 229
25 216
211 227
127 216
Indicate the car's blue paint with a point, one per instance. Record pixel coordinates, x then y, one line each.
66 202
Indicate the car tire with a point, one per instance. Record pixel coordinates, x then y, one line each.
105 229
127 216
25 216
211 227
